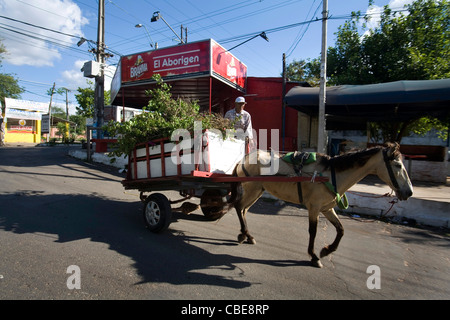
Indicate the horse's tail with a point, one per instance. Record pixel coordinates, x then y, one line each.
236 191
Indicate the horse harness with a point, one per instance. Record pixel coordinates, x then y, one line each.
389 169
298 160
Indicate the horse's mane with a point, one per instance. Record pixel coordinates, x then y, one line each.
354 158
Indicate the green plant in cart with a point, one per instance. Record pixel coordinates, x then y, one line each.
162 116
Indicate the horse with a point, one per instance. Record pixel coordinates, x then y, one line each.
344 170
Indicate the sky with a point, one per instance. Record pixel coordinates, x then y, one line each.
41 36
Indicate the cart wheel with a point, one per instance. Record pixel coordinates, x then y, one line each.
157 212
213 203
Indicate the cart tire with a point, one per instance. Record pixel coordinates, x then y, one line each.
157 212
215 211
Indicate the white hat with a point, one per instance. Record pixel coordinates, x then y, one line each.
240 100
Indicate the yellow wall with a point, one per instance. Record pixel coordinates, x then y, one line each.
11 137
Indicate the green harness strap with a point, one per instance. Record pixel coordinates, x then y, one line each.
342 202
289 158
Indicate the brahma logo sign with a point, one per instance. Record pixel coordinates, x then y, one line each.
227 66
139 68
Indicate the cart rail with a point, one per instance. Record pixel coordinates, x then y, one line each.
157 166
201 179
151 158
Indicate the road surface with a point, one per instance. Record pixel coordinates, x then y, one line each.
68 230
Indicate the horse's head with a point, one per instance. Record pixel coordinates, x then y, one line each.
393 172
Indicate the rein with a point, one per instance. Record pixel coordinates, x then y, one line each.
389 169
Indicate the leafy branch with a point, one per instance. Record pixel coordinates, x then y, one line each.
162 116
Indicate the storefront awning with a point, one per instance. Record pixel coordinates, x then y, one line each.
393 101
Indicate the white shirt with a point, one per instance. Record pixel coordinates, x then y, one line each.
241 120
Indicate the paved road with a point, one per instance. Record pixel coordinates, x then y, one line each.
57 212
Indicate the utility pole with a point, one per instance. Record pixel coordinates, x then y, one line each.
67 115
67 104
50 113
283 106
100 79
182 29
322 133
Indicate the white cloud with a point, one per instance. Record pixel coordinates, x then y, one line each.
61 15
375 11
74 78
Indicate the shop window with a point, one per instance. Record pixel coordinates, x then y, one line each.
21 126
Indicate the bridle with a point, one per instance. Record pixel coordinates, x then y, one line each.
389 169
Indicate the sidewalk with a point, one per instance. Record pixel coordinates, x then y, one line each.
429 204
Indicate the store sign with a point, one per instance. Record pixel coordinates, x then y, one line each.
116 82
45 124
227 67
22 114
182 61
20 128
26 105
173 61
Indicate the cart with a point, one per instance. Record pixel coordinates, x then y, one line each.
158 166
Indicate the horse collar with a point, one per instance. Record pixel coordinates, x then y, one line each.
389 169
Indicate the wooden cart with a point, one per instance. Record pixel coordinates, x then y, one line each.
152 169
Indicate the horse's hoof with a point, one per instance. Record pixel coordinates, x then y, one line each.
317 263
241 238
251 240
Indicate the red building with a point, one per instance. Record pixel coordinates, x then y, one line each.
264 98
207 72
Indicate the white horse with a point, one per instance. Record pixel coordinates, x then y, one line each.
343 171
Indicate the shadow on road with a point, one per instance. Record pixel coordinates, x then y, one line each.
170 257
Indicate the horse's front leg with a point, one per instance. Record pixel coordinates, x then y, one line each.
334 219
313 220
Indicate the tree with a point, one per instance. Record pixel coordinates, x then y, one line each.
414 45
86 100
303 70
163 115
9 87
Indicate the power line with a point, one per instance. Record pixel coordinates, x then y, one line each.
40 27
67 46
35 37
244 16
300 36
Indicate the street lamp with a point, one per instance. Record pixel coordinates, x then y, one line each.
156 16
262 35
140 25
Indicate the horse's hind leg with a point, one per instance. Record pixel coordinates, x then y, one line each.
334 219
